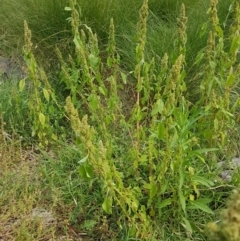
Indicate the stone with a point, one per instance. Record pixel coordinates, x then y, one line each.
9 68
46 216
5 67
227 168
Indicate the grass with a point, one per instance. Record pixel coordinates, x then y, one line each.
117 135
97 15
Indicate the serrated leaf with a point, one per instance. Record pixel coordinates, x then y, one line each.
107 205
21 85
42 118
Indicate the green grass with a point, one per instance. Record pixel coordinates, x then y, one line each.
123 149
47 20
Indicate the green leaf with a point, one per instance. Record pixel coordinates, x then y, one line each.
107 205
132 231
203 29
89 171
124 77
181 178
234 45
174 139
187 225
102 91
46 94
54 137
83 160
93 60
200 56
21 85
227 113
164 187
82 172
204 181
182 200
165 203
212 64
161 131
93 101
109 62
230 80
205 150
158 108
86 172
76 42
198 204
67 9
89 224
69 19
153 189
215 122
134 205
220 31
42 118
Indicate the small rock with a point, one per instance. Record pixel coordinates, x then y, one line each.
10 68
44 215
227 168
226 175
5 66
236 162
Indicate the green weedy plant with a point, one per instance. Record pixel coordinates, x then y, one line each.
99 152
219 79
42 101
228 227
163 162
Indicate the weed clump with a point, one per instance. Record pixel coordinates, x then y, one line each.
228 229
132 169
